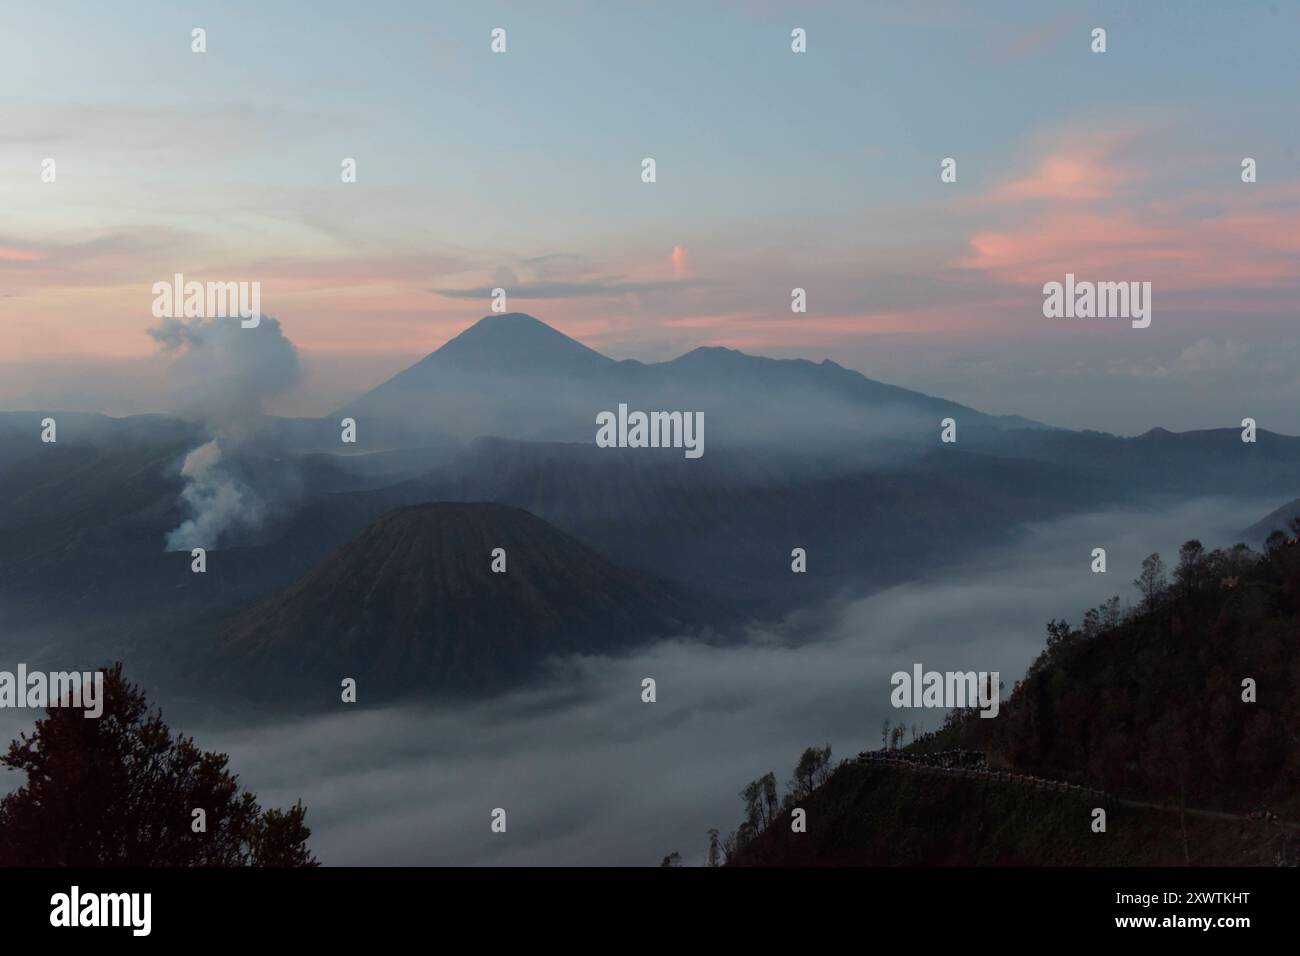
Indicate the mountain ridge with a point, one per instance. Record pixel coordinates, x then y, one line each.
519 347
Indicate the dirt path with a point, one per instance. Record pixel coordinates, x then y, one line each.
1212 814
891 759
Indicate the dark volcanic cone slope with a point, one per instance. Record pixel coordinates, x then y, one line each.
412 606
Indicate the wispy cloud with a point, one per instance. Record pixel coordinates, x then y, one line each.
597 288
1080 166
1090 207
1042 36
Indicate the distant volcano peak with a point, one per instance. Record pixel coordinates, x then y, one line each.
516 340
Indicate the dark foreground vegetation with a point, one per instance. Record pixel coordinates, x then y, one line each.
121 790
1178 717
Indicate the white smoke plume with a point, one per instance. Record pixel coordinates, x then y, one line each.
220 502
222 374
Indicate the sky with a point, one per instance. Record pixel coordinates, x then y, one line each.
775 170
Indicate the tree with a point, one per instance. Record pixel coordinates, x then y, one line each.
730 844
672 859
1110 613
1275 542
1057 632
120 790
761 806
1235 562
770 801
1193 567
1091 622
1151 582
755 819
280 839
715 848
745 834
1103 617
811 772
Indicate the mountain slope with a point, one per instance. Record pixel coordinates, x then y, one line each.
514 376
1277 520
513 343
727 523
412 607
736 369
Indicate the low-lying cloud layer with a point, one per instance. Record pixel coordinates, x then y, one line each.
589 774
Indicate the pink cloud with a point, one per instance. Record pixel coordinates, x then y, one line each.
1041 36
679 262
15 254
1081 166
1236 248
1077 213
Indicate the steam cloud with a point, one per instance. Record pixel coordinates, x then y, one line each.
219 500
222 374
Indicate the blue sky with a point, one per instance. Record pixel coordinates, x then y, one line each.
775 170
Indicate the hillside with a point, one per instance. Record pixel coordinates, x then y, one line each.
1153 708
874 815
1148 708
